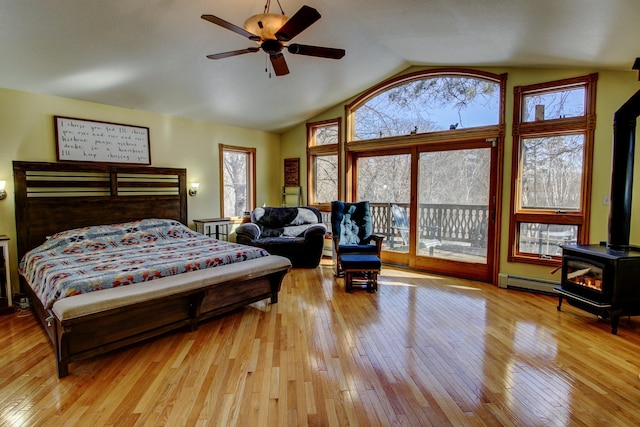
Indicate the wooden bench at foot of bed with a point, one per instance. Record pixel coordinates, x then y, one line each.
86 325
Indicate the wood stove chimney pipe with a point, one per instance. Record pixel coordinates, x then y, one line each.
624 136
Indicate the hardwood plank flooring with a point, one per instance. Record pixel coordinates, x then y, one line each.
423 351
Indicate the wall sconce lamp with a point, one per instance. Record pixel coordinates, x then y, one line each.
3 193
193 190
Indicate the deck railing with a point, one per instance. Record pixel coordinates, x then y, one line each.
442 222
455 228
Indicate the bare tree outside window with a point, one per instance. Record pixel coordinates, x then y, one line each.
427 105
236 168
554 105
554 143
322 148
552 172
454 177
384 179
326 178
326 135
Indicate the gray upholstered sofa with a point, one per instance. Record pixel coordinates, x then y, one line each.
295 233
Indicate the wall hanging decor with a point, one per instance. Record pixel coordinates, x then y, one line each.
82 140
292 172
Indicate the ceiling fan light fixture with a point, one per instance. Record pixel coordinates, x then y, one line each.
265 25
273 33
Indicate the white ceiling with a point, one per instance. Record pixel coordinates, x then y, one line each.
151 55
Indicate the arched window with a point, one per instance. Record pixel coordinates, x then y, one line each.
426 101
424 148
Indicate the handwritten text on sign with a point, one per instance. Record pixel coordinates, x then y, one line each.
84 140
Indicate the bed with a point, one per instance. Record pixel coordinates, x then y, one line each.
92 203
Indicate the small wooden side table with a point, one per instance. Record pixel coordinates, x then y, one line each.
5 269
204 226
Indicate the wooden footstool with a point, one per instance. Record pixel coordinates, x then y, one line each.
361 270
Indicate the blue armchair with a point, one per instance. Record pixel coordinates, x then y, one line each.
352 227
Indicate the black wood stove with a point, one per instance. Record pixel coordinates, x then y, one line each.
601 280
605 279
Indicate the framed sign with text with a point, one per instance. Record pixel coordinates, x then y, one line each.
82 140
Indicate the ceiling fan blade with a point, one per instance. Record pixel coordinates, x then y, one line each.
233 53
279 64
322 52
298 23
230 26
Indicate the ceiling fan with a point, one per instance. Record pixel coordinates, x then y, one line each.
273 32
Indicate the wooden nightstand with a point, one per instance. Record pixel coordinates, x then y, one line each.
6 303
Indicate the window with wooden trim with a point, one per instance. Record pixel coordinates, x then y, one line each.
553 133
426 102
237 180
323 159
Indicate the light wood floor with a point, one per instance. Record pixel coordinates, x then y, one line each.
424 350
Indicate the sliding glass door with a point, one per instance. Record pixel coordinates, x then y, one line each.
435 206
455 210
385 181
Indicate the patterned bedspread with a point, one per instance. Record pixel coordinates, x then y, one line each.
88 259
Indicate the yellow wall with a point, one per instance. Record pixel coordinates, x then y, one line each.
614 88
26 121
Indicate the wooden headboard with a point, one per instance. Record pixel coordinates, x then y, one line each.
52 197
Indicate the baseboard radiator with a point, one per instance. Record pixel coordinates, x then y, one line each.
526 283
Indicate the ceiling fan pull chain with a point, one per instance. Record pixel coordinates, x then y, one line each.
280 6
267 5
266 65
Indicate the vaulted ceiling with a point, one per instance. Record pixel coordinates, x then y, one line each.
151 55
